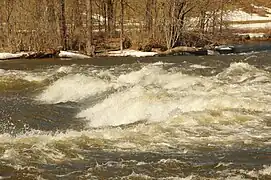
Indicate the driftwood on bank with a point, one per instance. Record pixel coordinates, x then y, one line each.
184 50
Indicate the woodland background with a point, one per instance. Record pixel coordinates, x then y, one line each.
82 25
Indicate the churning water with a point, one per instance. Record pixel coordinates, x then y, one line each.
125 118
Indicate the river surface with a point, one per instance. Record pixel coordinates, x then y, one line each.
162 118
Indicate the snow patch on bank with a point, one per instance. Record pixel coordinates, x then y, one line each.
239 15
252 19
62 54
133 53
252 25
268 10
66 54
4 56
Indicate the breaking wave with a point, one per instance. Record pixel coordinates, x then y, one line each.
73 88
154 101
155 95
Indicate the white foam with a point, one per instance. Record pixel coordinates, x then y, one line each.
82 86
24 75
224 128
266 170
64 69
156 95
73 88
34 77
239 72
136 76
2 71
238 177
128 107
197 66
176 110
155 75
134 175
179 112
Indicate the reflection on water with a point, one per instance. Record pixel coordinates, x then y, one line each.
130 118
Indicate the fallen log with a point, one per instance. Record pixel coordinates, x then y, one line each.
39 55
182 50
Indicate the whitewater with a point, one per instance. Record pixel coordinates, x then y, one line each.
128 118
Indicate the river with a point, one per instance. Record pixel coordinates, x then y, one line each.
182 117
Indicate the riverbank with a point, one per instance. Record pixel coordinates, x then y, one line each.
233 48
40 55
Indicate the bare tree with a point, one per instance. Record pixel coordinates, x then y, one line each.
203 14
175 19
63 25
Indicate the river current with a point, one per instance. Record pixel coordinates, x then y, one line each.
136 118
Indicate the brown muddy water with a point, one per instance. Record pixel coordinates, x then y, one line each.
136 118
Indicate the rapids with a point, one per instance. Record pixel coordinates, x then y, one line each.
128 118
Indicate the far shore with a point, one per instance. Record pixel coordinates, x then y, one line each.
180 50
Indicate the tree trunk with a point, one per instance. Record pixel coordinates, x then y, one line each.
202 21
89 48
77 16
105 16
110 16
149 18
155 28
121 25
50 20
63 26
221 16
50 11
